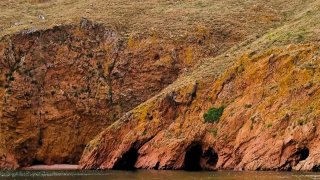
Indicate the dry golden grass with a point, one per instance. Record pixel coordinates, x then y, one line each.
301 25
171 17
264 23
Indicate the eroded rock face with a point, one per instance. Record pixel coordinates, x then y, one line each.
270 120
60 87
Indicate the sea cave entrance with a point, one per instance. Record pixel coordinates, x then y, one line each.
192 158
197 159
127 161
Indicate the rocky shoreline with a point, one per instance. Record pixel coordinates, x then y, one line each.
52 167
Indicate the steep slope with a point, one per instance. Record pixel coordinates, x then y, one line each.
270 120
61 86
268 101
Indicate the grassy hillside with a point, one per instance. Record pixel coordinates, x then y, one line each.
167 16
302 27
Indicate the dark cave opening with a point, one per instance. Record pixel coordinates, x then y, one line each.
127 161
211 157
192 158
37 162
303 154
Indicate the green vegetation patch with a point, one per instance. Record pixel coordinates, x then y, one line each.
213 114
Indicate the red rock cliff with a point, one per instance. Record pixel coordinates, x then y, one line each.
269 120
60 87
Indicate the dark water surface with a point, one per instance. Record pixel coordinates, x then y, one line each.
155 175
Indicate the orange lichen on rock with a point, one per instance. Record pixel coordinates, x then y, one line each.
269 121
60 87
